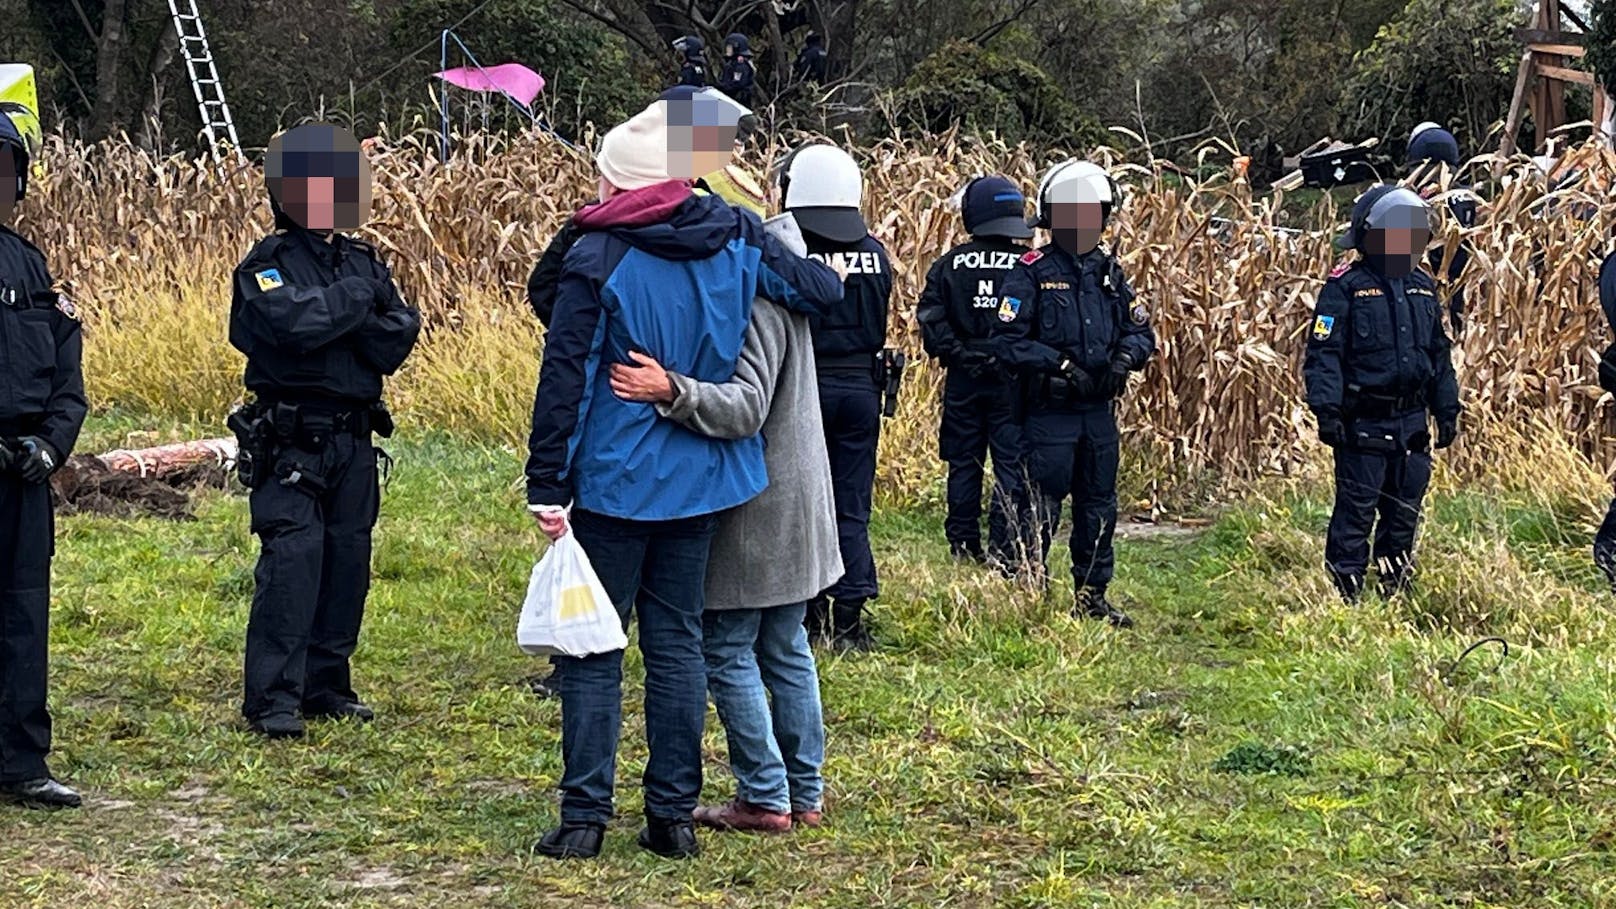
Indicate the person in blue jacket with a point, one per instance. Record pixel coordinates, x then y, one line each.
660 274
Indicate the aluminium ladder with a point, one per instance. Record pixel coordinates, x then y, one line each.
204 75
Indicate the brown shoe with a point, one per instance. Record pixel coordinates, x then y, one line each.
745 817
811 818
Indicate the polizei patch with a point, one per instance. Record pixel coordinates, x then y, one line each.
1009 308
1323 327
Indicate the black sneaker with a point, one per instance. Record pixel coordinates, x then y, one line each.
572 841
968 552
670 839
1092 604
545 687
41 793
344 710
848 631
278 726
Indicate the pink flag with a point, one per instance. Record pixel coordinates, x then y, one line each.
513 79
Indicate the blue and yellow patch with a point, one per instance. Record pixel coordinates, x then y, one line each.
269 279
1323 327
1009 308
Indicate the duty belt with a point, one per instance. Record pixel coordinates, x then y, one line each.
1381 406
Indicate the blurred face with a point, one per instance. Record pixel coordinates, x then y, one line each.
1397 241
311 201
320 178
8 184
1077 226
702 135
606 189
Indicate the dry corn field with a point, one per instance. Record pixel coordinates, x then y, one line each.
146 247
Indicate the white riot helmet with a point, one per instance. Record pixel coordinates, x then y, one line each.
1076 181
822 186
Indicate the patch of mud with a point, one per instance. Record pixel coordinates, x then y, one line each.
85 485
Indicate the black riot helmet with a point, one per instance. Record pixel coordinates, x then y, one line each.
14 119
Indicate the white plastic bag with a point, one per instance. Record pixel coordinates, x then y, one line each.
567 611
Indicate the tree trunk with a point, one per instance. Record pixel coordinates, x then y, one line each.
108 66
151 131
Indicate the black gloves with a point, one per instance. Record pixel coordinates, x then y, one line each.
39 459
1447 429
1332 431
1115 380
1083 384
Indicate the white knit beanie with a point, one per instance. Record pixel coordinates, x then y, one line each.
634 154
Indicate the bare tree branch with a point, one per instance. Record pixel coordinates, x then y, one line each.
994 30
653 48
88 28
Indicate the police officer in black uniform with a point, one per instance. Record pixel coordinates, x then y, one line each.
1605 539
692 61
1429 146
738 76
1378 368
1072 328
321 323
811 65
958 311
822 187
42 408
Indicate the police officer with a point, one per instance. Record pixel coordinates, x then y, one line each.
739 75
1072 328
321 323
41 410
1378 368
1605 540
1432 152
958 311
811 65
692 61
822 187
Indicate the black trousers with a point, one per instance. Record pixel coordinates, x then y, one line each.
851 407
978 421
312 579
27 542
1378 490
1076 454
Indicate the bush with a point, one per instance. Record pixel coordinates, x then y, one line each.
1461 74
986 92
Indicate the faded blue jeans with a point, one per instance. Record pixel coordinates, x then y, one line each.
755 656
656 570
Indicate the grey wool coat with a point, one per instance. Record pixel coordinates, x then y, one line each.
780 548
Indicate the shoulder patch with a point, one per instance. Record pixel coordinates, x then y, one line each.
66 307
1341 269
1009 308
1032 256
1323 327
1140 314
269 279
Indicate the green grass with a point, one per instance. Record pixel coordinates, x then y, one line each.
1253 742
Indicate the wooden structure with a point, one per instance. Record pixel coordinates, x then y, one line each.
1549 46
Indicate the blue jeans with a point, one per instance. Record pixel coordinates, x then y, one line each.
657 569
755 656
